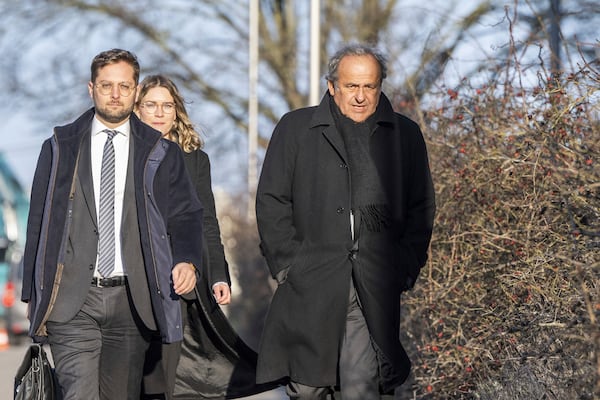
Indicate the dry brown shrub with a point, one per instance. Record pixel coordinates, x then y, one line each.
508 305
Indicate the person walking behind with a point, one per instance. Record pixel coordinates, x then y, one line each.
212 361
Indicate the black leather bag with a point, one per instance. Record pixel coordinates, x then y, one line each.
35 378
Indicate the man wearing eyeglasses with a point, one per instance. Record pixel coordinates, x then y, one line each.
114 237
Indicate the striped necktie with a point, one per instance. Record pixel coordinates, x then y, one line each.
106 215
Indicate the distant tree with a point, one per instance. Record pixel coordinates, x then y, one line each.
203 45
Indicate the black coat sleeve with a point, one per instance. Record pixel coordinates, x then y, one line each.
274 204
39 190
198 166
185 211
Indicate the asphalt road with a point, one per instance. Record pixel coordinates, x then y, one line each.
11 358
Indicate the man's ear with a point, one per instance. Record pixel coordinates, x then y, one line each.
331 87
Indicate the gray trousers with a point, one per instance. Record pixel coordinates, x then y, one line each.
358 366
99 354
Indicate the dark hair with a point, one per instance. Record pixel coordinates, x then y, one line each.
356 50
112 57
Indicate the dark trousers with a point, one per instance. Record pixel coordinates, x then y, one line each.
358 365
99 354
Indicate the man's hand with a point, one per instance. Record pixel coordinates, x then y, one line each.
222 293
184 278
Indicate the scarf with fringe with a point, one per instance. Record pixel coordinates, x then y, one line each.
368 198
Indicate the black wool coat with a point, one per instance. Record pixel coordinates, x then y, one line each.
215 362
303 215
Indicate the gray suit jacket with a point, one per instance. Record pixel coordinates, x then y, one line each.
80 255
82 244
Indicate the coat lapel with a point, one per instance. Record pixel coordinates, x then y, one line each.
84 176
143 144
335 139
323 121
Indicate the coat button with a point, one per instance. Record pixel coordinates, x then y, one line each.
353 255
340 210
342 165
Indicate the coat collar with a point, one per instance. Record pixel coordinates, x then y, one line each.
71 135
322 120
82 125
142 132
322 116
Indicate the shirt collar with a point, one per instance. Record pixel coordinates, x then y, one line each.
98 127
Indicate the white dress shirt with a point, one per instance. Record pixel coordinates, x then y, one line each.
121 145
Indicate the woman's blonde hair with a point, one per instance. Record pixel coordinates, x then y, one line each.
183 132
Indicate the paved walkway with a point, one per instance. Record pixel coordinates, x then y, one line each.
11 358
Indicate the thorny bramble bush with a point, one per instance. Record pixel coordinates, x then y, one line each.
508 305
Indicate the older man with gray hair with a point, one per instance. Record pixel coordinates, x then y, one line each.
345 208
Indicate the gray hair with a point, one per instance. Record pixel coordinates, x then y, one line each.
356 50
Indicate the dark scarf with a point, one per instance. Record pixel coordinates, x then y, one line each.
368 198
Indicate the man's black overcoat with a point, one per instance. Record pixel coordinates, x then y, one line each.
302 207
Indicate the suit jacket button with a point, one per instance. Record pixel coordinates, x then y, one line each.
340 210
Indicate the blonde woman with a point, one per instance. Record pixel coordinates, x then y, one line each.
210 344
